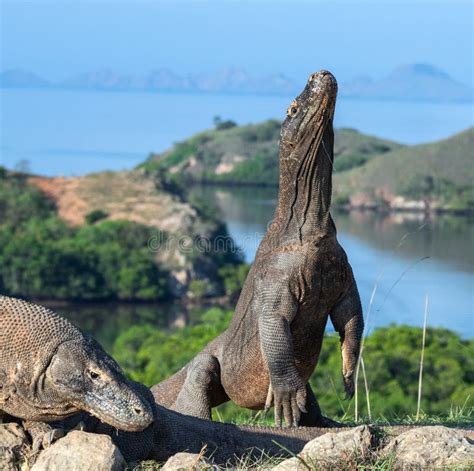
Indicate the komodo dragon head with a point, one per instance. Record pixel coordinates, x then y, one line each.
83 375
308 125
50 370
306 157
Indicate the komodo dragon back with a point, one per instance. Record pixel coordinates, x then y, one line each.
50 370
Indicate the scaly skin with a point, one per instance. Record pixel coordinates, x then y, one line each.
223 443
300 277
49 370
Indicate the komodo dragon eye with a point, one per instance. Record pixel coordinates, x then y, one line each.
292 109
93 375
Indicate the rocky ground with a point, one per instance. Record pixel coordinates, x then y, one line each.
427 447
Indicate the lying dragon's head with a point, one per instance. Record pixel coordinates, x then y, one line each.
83 375
309 123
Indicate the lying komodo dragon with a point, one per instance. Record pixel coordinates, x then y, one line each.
49 370
300 276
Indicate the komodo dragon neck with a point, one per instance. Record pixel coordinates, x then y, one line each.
306 163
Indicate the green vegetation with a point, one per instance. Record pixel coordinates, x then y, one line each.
249 154
391 357
95 216
222 125
19 201
44 258
234 277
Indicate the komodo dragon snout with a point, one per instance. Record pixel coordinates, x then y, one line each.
85 376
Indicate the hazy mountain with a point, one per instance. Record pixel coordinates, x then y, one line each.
230 80
20 78
107 79
410 82
237 80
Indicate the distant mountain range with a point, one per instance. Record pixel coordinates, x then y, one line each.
407 82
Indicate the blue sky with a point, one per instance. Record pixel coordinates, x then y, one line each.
58 39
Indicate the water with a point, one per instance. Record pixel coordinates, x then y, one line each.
75 132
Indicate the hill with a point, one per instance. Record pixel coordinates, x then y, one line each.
109 235
435 176
249 154
20 78
369 172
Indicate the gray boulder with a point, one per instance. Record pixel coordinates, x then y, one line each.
81 451
13 442
331 449
431 447
187 461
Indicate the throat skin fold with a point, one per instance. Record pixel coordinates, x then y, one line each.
305 189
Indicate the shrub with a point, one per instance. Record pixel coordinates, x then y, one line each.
95 216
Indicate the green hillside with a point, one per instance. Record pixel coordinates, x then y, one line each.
249 154
369 172
438 175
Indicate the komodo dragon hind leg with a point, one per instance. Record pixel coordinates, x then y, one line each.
202 390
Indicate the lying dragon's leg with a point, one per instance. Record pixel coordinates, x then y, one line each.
202 388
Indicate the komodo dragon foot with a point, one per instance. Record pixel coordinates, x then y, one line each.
42 434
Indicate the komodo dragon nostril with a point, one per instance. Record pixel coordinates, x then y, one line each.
138 411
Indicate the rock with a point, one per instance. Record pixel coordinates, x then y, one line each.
292 464
12 436
331 448
8 459
431 447
81 451
12 442
187 461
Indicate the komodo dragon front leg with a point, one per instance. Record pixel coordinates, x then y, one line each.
348 321
278 307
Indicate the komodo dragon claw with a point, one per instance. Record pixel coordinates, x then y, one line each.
42 434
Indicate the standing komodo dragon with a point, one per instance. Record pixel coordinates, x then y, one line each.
300 276
49 370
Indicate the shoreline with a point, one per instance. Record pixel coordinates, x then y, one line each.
413 206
